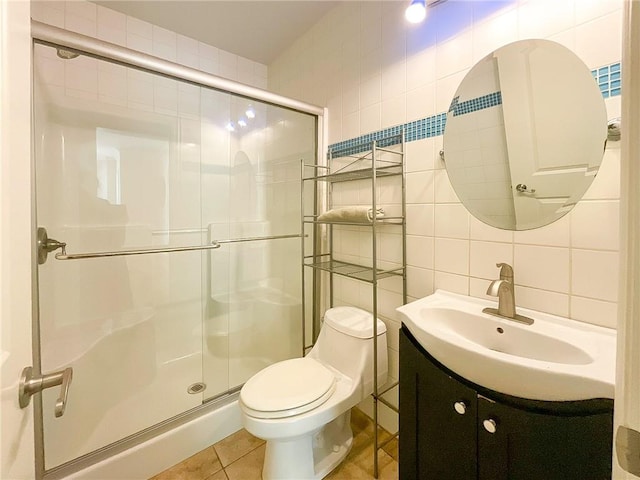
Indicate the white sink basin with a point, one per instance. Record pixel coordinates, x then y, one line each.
553 359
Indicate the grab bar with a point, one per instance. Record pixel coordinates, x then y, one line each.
46 245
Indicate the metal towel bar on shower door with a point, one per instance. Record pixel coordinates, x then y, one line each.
138 251
46 245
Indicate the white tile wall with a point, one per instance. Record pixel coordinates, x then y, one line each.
112 26
105 24
420 156
542 267
451 221
534 19
444 192
603 235
594 274
419 282
567 268
420 219
494 32
556 234
484 256
451 282
420 251
554 302
452 255
420 187
481 231
594 311
590 49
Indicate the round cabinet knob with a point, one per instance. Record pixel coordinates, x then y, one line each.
490 425
460 407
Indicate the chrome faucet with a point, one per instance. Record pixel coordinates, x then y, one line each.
505 291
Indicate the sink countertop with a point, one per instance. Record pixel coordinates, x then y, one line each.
555 359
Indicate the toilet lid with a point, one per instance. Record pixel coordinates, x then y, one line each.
288 388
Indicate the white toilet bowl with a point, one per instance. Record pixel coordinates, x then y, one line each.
302 406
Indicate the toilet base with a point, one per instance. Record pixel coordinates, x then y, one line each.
309 457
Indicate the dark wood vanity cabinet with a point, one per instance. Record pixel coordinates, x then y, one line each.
452 429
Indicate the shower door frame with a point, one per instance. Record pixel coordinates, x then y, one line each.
56 37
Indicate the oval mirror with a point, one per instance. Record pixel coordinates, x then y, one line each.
525 135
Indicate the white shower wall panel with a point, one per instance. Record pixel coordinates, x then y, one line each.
105 404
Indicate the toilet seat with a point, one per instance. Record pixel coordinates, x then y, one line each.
287 388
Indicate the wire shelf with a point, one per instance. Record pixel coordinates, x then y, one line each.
359 174
379 221
352 270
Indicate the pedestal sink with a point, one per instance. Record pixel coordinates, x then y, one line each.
555 358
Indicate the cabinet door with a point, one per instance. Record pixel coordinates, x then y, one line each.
437 423
533 446
407 447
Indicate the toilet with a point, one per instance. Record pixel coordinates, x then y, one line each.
302 407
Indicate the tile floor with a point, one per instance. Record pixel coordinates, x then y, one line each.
240 456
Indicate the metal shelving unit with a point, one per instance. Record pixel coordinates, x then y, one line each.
375 160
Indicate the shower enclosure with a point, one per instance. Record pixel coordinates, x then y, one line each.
130 163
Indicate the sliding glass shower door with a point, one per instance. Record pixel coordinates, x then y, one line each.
130 160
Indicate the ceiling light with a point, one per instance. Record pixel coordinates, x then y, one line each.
242 122
231 127
250 113
416 12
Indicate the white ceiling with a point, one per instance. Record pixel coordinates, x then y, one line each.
258 30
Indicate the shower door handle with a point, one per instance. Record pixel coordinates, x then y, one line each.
30 385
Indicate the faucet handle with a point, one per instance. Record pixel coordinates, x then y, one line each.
506 271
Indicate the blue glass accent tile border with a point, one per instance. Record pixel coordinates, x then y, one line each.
425 127
609 79
384 138
480 103
416 130
454 103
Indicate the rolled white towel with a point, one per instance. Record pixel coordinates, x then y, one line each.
360 214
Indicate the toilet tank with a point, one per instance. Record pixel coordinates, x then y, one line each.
346 343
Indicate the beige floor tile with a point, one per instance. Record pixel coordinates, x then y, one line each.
236 446
392 449
383 435
389 471
248 467
242 456
349 471
359 462
360 422
220 476
364 459
362 444
200 466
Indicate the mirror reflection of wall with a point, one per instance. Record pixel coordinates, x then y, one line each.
525 135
